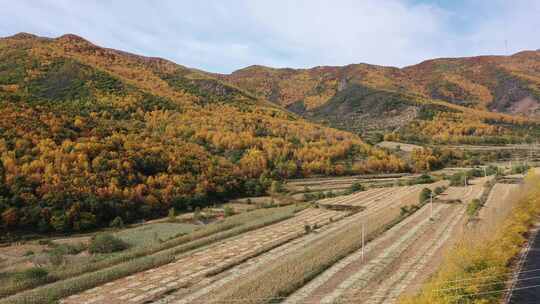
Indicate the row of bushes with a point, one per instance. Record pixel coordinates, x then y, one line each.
462 178
474 271
474 205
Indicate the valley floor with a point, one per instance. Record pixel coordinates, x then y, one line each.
403 249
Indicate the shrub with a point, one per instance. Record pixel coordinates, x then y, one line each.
356 186
422 179
458 179
520 168
309 197
473 207
425 194
106 243
64 249
228 211
276 187
438 190
56 258
32 274
197 215
118 222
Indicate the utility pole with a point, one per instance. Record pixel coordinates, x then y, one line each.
485 171
431 205
531 154
363 239
465 179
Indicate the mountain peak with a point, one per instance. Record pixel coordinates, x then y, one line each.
72 38
22 35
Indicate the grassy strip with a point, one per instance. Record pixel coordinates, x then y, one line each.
55 291
129 265
294 271
474 206
484 262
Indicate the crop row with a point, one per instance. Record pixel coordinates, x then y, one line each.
88 276
210 260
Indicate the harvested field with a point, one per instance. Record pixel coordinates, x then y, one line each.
342 183
402 146
393 261
153 233
281 258
497 207
200 292
14 257
371 197
189 268
273 279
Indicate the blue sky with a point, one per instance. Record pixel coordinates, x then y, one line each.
222 36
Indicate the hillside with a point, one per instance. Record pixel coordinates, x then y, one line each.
491 99
89 134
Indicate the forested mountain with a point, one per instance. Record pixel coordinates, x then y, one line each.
88 134
440 100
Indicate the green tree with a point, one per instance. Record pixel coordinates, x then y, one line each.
425 194
117 222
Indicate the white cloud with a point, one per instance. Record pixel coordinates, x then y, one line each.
221 36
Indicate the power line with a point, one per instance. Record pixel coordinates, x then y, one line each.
375 297
354 299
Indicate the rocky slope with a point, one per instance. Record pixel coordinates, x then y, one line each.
362 97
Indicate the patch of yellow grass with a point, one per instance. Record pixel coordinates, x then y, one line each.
476 269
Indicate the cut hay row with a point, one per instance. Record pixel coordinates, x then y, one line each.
393 287
151 284
351 268
290 273
371 196
200 292
377 265
359 196
497 207
496 200
312 180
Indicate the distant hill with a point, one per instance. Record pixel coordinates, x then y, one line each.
478 99
89 134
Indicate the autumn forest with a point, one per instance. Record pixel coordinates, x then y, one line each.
89 134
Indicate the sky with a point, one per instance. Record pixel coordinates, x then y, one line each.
223 36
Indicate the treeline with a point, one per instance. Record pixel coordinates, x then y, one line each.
465 128
428 159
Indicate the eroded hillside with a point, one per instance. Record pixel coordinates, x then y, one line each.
435 94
